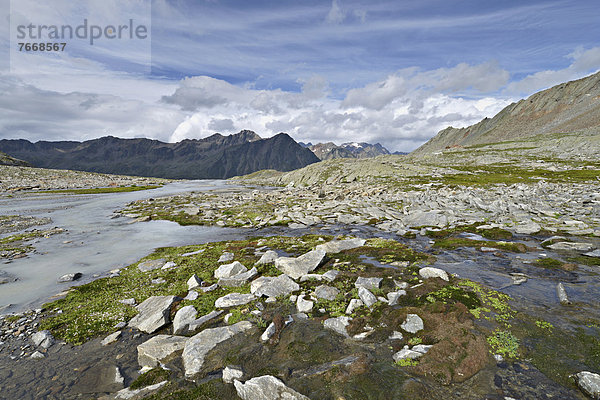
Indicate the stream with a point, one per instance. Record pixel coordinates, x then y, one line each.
95 241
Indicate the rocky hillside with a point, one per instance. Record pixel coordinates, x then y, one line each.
215 157
329 150
568 107
5 159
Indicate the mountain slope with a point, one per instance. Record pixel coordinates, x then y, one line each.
568 107
215 157
5 159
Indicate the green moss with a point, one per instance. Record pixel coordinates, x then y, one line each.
407 362
504 343
585 260
549 263
152 377
453 294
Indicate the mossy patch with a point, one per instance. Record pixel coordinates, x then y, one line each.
152 377
492 233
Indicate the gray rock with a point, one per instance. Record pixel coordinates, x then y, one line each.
239 279
183 318
296 267
335 246
192 295
367 297
330 275
281 285
151 265
266 387
430 272
225 257
231 373
269 257
194 282
37 355
210 288
153 313
168 265
128 302
571 246
43 339
192 253
425 218
394 297
589 383
70 277
562 294
528 228
595 253
157 281
413 323
326 292
353 305
113 337
396 336
196 324
368 283
406 353
198 346
304 306
422 348
158 349
229 270
338 325
234 299
269 332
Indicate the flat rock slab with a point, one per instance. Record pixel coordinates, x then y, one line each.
183 318
151 265
326 292
335 246
239 279
413 323
43 339
161 347
198 346
266 387
571 246
153 313
70 277
589 383
296 267
269 257
367 297
229 270
368 283
281 285
430 272
234 299
338 325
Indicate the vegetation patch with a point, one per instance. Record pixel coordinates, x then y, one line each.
492 234
152 377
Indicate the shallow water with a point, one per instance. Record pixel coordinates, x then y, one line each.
97 242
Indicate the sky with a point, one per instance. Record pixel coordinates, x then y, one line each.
393 72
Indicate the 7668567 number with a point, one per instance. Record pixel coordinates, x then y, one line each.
49 46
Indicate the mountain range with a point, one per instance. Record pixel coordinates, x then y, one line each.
568 107
329 150
214 157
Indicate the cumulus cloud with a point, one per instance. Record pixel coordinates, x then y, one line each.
583 62
483 78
